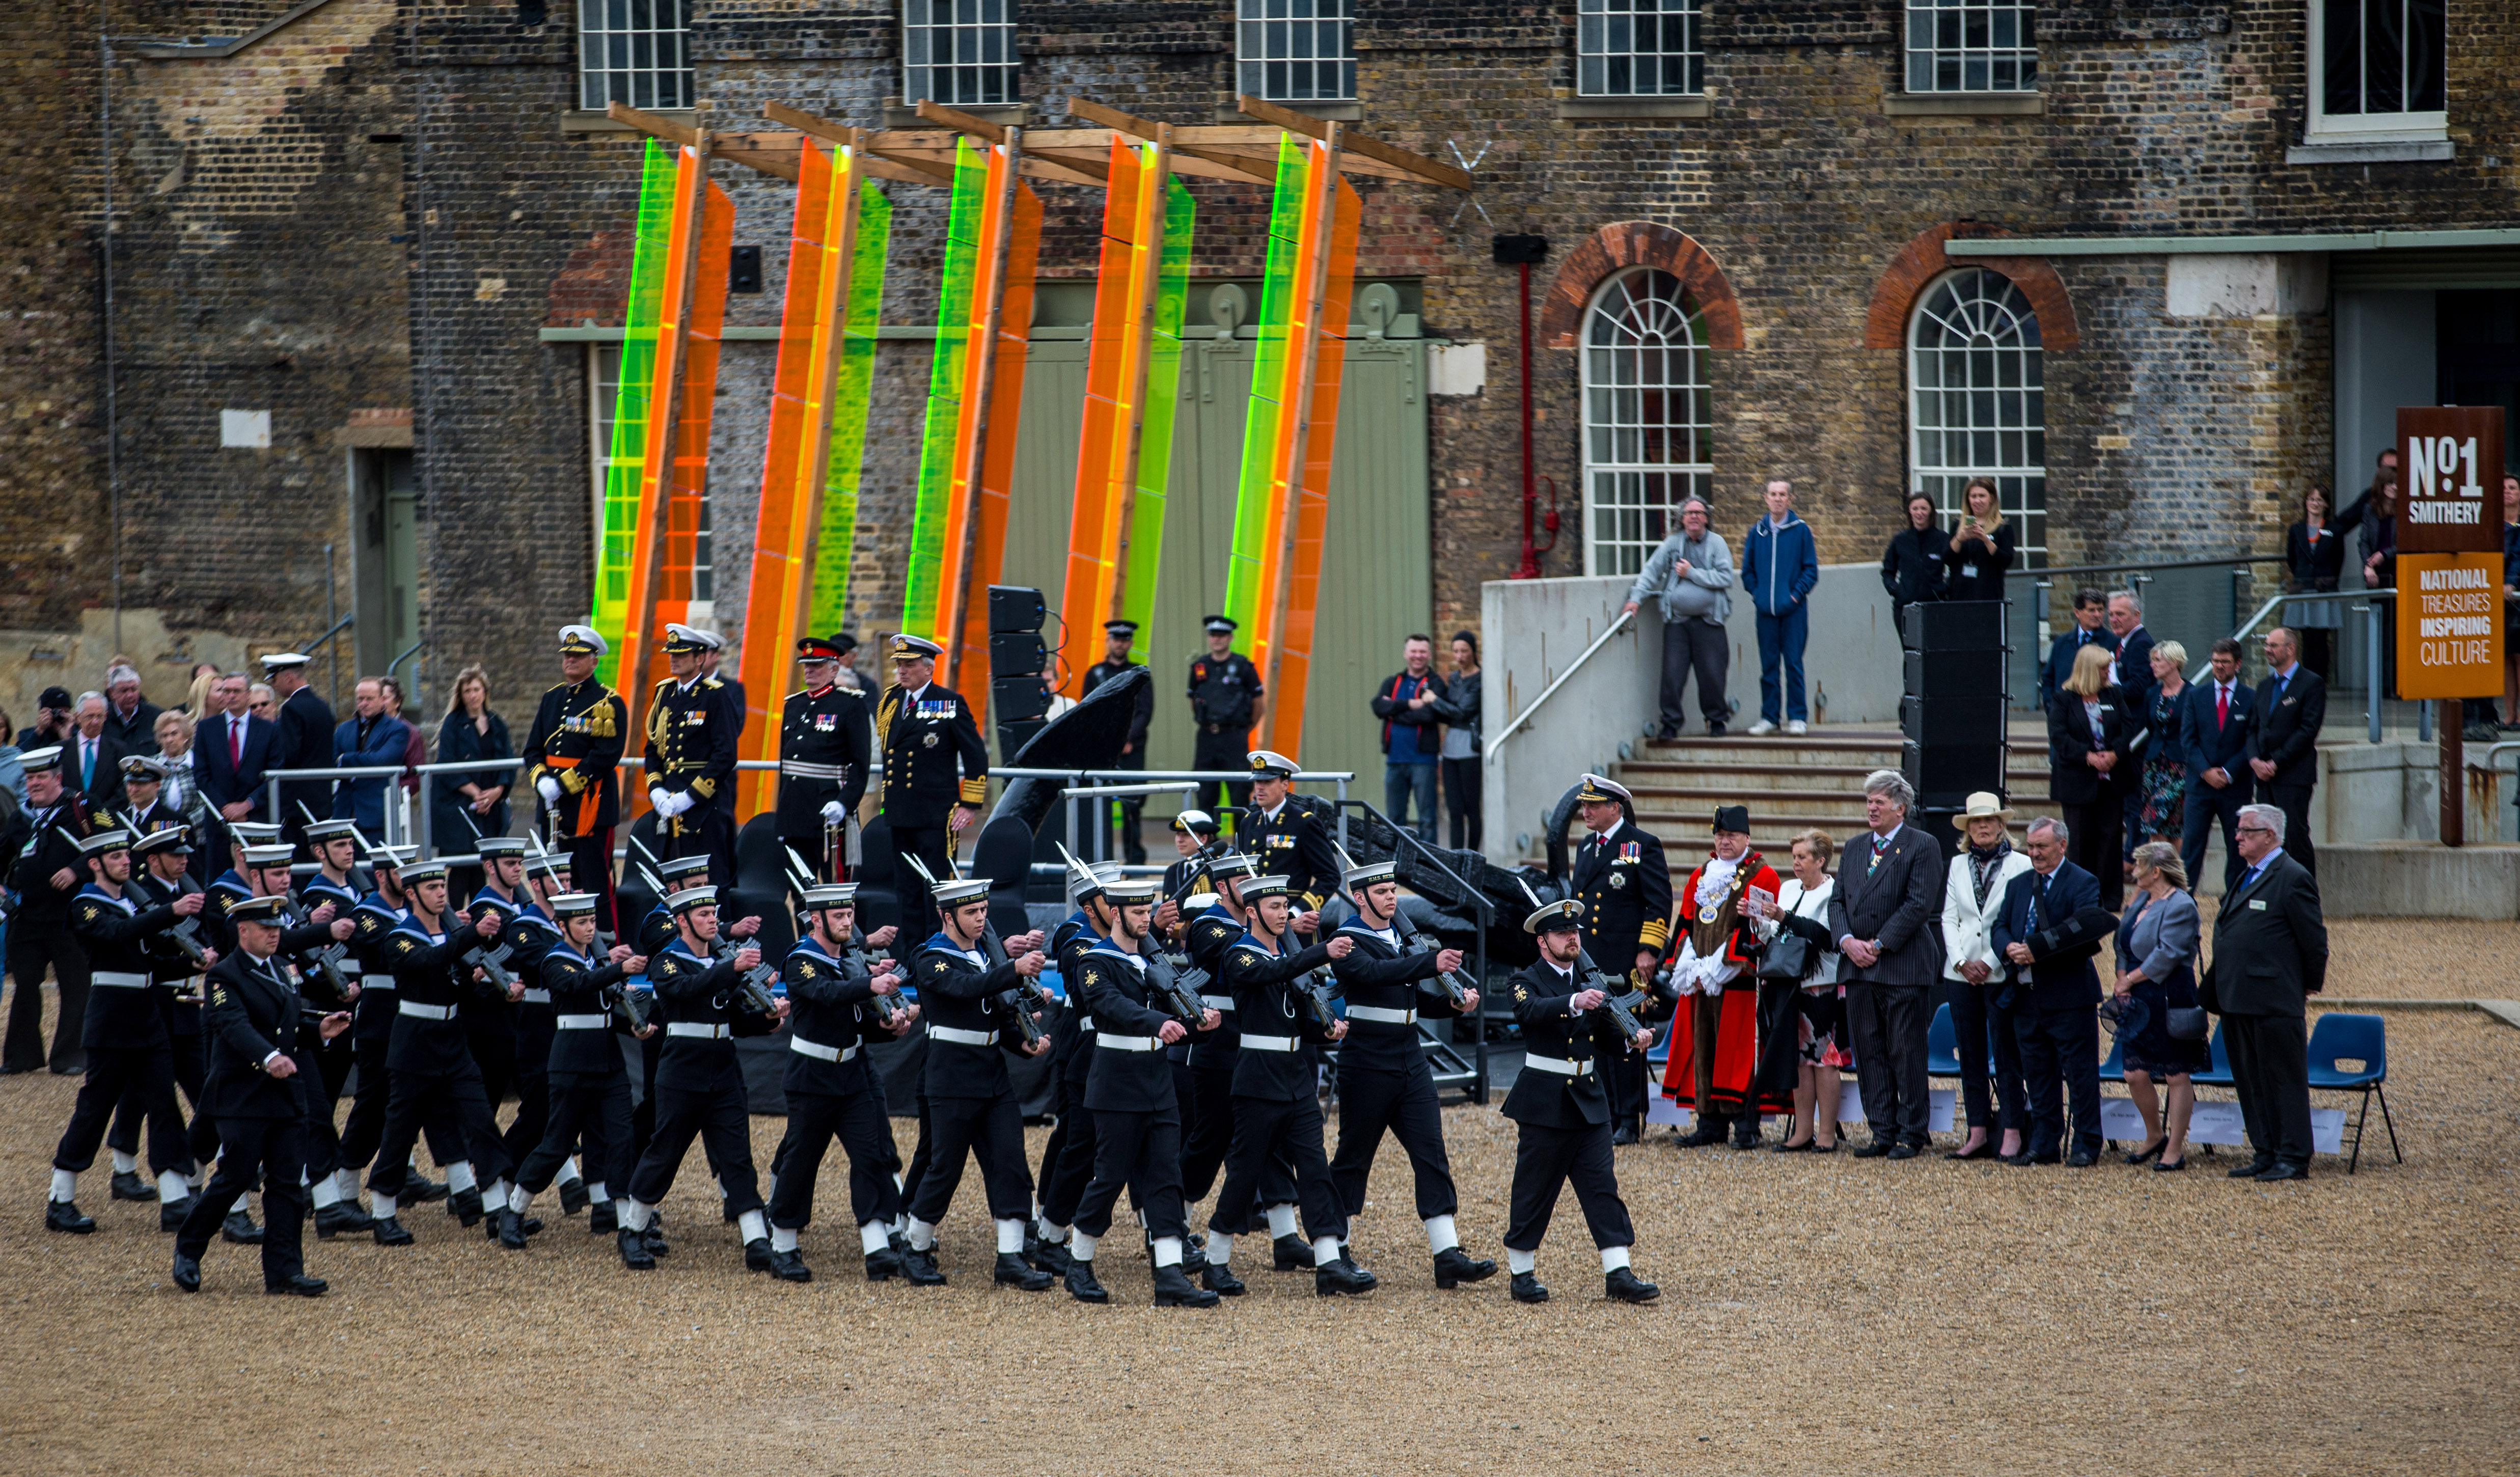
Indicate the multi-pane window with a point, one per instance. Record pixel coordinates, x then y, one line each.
1297 51
606 397
637 52
2379 65
1647 418
1970 46
1976 406
1638 48
958 51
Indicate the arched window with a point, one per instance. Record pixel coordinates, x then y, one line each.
1975 403
1646 418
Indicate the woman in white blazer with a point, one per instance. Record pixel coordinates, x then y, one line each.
1982 987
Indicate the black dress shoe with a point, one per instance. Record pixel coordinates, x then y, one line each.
882 1266
1194 1255
789 1267
2147 1151
1291 1254
390 1232
2049 1157
420 1190
2082 1158
634 1250
1081 1282
1527 1287
1710 1130
172 1214
238 1230
757 1255
299 1284
1715 731
1789 1146
2254 1168
338 1217
919 1267
510 1229
1623 1286
1984 1150
188 1272
465 1205
653 1234
1623 1136
1342 1277
601 1221
1901 1152
1219 1278
573 1196
1877 1148
128 1185
533 1224
79 1069
1454 1267
2167 1166
1174 1289
1050 1256
2284 1169
62 1216
1014 1271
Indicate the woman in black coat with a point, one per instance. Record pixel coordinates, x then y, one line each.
1912 568
2089 729
462 802
1981 547
2313 560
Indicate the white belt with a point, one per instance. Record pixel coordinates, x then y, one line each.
961 1038
1085 1025
804 770
1217 1002
1384 1014
427 1013
1559 1064
381 982
700 1029
1128 1042
118 978
1251 1043
803 1048
534 997
349 968
581 1022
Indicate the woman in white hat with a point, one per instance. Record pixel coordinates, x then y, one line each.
1981 979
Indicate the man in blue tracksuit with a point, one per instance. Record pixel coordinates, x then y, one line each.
1779 565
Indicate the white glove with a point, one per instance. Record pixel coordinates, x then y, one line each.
677 804
656 799
1713 988
833 810
549 788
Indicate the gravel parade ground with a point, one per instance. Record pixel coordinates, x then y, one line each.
1820 1315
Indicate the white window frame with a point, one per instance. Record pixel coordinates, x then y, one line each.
1631 501
1606 34
2020 470
976 48
604 387
2363 128
627 53
1253 41
1929 12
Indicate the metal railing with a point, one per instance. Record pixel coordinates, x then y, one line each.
1406 839
1077 793
1535 705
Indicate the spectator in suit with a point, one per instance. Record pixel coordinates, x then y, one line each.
1913 567
131 718
373 736
2269 954
1779 565
307 730
2051 926
2131 669
1981 977
2090 610
2214 732
2313 562
1889 889
1980 546
231 748
92 764
2089 730
2156 955
2283 741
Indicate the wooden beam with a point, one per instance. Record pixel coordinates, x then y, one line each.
1066 171
927 171
900 174
806 123
653 126
1415 166
780 162
960 121
1112 118
1210 163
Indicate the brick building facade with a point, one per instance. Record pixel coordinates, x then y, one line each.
374 208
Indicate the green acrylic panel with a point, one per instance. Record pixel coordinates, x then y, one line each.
1242 593
836 539
1155 434
944 392
641 318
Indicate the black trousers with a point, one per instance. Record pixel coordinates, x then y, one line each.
33 948
146 1073
2095 842
2270 1070
716 1116
1544 1159
418 1097
1700 647
2206 805
1375 1099
1065 1172
814 1120
201 1136
1974 1017
704 830
1462 800
333 1066
1140 1152
1228 750
533 1092
1211 1130
987 1129
2060 1058
594 1107
1274 1138
1133 843
932 845
2294 801
590 870
365 1128
1886 1024
271 1152
494 1052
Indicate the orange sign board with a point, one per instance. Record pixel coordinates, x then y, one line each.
2450 625
2450 479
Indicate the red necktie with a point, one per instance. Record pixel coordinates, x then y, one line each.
2222 707
236 744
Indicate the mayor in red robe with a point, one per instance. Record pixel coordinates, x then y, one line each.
1715 1028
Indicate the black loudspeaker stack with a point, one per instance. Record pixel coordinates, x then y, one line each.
1016 657
1955 714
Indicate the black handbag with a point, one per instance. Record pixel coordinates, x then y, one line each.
1788 958
2186 1024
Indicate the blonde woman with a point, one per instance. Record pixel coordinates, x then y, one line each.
2089 729
469 731
2159 933
1818 1017
1981 979
196 702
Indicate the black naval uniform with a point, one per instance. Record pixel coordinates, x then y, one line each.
1296 841
933 760
372 1028
970 1100
254 1013
332 1066
692 729
179 983
1625 886
1129 1090
491 1021
589 1087
529 936
1067 1159
429 1057
830 1003
822 753
123 1032
1133 846
1276 1112
1563 1112
1214 1059
576 739
1224 694
700 1084
1383 1080
307 727
40 935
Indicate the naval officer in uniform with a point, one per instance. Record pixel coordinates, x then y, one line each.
935 770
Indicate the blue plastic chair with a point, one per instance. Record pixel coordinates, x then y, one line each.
2217 1075
1942 1044
2366 1039
2113 1069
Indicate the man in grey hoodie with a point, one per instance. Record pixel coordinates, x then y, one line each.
1688 573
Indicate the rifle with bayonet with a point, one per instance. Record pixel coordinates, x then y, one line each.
1621 1005
888 1007
1456 990
1018 1000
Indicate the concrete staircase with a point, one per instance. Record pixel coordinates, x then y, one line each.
1790 785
